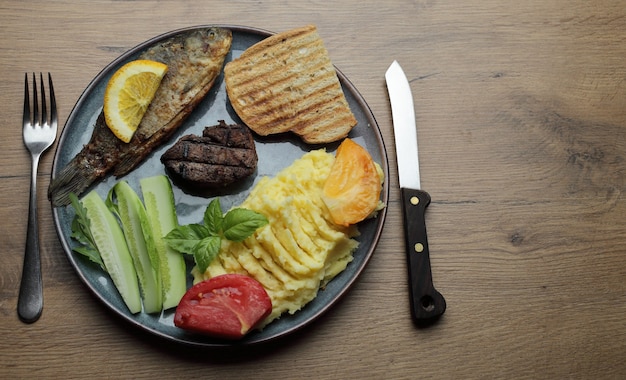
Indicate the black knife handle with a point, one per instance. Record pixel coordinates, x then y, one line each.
427 304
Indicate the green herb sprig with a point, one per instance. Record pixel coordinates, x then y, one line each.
81 232
204 241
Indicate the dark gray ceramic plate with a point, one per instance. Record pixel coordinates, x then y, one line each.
274 154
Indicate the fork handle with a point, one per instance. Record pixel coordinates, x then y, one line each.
30 299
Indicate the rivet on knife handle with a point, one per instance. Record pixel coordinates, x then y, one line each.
427 304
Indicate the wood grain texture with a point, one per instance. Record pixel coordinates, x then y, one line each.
522 137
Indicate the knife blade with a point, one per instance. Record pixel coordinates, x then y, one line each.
427 304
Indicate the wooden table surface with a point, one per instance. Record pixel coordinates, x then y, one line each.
520 108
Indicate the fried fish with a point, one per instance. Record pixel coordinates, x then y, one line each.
194 59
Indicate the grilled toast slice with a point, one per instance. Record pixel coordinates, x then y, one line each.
287 83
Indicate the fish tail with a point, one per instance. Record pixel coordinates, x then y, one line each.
93 162
72 179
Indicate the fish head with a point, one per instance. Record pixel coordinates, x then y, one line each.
208 43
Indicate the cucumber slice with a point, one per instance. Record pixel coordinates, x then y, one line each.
158 198
110 242
125 203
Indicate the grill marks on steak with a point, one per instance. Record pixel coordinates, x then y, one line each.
223 155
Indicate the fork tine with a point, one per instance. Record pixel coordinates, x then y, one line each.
35 102
53 104
26 116
44 109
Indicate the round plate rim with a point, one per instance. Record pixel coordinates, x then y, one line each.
367 255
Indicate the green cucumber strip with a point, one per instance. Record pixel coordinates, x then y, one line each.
158 198
109 240
127 205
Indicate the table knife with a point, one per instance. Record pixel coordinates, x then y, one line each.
427 304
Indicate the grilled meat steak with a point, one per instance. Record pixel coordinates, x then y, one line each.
223 155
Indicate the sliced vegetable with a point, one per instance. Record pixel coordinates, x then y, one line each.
226 306
158 198
203 241
110 243
127 205
128 94
352 190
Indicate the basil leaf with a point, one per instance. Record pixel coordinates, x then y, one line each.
204 241
184 239
205 251
239 223
213 217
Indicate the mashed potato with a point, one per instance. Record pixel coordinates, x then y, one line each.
300 250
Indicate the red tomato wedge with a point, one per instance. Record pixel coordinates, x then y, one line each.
226 306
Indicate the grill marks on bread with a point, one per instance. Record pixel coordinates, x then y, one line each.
288 83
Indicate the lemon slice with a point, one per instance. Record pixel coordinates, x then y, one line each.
128 95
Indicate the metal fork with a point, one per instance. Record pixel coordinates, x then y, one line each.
39 134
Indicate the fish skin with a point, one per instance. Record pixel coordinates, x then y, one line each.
194 59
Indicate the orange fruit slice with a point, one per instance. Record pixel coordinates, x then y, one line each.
128 95
352 190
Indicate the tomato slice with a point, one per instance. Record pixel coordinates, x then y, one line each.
353 186
226 306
